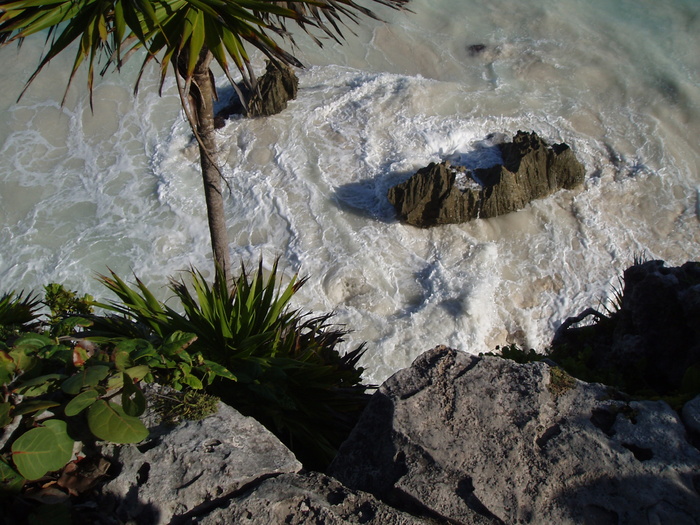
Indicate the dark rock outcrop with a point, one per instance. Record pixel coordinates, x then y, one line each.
445 194
651 342
487 440
273 91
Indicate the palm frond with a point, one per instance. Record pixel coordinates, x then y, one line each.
173 31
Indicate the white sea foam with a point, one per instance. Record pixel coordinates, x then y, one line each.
618 81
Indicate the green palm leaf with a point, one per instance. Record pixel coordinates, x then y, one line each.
117 28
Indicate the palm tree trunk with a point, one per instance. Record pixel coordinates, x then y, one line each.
202 95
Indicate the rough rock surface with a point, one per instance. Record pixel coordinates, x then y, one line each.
297 499
655 332
184 471
486 440
445 194
273 91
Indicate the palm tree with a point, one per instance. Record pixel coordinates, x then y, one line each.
183 36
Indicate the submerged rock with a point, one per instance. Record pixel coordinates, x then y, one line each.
485 440
446 194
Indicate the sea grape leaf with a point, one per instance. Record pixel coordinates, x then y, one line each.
35 405
42 449
61 352
219 370
22 359
192 381
10 480
176 342
5 418
133 345
88 376
81 402
66 326
39 385
80 356
32 342
123 357
145 352
7 368
133 400
107 421
137 373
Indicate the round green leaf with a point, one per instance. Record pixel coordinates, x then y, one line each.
135 372
219 370
5 418
32 342
57 352
108 421
81 402
89 376
42 449
39 385
69 324
35 405
7 367
176 342
133 400
22 359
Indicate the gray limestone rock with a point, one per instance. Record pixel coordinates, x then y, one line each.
486 440
297 499
446 194
187 470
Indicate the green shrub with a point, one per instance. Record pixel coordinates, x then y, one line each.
64 304
289 374
57 391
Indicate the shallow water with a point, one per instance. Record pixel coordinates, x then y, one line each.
619 81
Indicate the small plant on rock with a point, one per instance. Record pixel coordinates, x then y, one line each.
290 376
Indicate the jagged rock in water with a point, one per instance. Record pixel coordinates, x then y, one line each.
486 440
446 194
273 91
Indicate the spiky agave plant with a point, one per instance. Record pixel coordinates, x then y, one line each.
290 375
17 311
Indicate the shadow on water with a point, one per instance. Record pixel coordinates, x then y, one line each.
368 197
